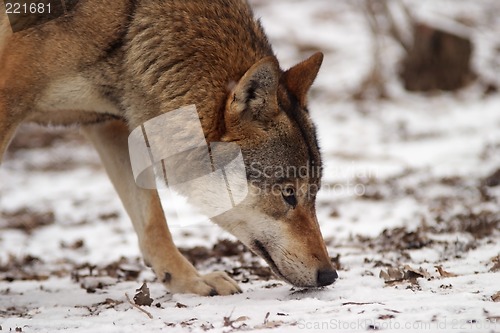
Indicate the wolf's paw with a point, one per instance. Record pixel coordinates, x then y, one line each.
217 283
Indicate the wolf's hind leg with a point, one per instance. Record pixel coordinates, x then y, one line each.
8 125
144 208
19 84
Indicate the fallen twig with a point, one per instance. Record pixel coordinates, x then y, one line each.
138 307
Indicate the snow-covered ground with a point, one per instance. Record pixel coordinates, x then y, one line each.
409 187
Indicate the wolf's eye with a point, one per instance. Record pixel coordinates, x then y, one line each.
289 196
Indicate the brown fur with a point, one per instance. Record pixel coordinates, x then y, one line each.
111 66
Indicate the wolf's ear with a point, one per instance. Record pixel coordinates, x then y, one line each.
254 98
300 78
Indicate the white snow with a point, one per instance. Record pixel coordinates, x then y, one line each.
416 139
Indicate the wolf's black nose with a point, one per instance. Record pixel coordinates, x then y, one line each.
326 277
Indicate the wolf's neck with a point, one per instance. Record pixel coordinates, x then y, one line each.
191 52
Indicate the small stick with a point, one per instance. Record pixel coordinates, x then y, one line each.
358 303
138 307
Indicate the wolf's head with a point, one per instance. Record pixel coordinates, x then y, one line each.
266 115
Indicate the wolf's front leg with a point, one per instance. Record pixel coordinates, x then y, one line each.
144 208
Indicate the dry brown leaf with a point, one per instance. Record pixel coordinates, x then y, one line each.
496 297
272 324
412 273
395 273
228 322
391 275
143 296
384 275
386 316
496 264
189 322
207 327
444 273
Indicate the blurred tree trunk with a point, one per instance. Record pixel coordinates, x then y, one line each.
434 59
437 60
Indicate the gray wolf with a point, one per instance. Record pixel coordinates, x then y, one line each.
109 66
